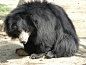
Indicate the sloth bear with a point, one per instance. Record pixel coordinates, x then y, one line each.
44 29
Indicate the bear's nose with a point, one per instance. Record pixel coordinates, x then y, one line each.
24 42
23 37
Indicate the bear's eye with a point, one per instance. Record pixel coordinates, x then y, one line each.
26 31
19 32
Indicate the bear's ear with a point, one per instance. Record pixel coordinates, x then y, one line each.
6 23
36 20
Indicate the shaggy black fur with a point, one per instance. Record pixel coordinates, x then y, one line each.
52 32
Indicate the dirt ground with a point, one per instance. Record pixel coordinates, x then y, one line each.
76 10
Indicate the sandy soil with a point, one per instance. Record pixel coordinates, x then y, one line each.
77 12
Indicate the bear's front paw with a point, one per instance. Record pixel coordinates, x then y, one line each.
35 56
21 52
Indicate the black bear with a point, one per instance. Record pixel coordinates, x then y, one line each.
44 29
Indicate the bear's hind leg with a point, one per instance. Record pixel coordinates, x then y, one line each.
50 54
66 47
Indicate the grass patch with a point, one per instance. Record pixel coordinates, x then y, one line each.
4 10
2 5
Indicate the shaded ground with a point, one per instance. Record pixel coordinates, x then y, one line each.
9 57
77 12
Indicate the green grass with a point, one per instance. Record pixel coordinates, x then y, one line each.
4 10
2 5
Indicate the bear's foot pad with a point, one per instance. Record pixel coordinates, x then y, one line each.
21 52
